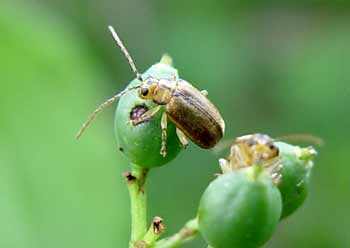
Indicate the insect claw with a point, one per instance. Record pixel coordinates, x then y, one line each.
163 153
184 146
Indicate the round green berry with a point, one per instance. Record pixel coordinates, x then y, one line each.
295 176
240 209
141 143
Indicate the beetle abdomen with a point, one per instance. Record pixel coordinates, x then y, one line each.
195 115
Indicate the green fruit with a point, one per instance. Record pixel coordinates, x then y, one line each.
240 209
141 143
295 176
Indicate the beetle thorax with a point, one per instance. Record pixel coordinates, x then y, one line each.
163 92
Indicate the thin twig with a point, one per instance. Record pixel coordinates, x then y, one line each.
186 234
154 232
136 180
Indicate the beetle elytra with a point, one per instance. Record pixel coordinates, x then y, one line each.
188 108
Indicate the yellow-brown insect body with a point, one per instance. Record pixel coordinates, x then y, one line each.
187 107
195 115
192 113
254 148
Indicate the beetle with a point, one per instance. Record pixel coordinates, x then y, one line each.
249 150
193 114
259 149
253 149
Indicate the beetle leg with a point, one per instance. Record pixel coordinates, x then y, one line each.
225 165
146 116
204 92
164 125
274 167
236 157
239 157
182 138
274 164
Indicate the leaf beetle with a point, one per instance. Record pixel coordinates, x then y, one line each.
194 115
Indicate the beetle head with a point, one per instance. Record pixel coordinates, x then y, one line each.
260 147
157 90
147 88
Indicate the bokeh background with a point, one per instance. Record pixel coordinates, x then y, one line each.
277 67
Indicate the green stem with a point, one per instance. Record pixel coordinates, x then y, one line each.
186 234
136 184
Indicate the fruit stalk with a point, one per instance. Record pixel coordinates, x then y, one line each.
186 234
136 180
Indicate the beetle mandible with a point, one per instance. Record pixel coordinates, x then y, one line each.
188 108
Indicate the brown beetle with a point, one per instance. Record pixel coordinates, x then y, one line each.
188 108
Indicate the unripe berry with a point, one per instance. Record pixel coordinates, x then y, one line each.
141 143
240 209
295 176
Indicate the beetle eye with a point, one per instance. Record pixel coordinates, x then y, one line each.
144 91
277 152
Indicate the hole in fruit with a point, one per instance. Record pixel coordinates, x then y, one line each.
138 111
121 149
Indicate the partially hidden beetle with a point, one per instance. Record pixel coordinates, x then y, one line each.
250 150
188 108
260 149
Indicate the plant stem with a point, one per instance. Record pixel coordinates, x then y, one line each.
136 184
186 234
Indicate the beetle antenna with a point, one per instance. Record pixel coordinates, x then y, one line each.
302 138
126 53
100 108
223 145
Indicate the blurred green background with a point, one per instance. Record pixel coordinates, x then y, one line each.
276 67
